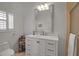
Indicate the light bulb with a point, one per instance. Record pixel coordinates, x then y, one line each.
46 6
39 8
42 7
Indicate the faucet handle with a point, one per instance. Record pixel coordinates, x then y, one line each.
44 32
33 32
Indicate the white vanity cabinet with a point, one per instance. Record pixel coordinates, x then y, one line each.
41 46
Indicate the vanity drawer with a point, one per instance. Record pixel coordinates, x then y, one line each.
50 52
50 44
49 48
28 46
28 42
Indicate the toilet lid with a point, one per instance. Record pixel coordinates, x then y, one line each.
7 52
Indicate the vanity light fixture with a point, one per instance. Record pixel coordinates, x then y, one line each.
43 7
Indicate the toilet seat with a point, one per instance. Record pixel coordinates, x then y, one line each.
7 52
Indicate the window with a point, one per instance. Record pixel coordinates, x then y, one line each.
2 20
6 21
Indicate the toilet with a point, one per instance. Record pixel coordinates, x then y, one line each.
5 50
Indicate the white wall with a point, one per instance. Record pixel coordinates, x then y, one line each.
12 36
29 18
60 24
24 22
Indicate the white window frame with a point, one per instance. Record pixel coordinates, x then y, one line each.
7 22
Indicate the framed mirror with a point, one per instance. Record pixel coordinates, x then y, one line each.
44 17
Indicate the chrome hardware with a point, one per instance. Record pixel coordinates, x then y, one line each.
50 50
38 41
50 43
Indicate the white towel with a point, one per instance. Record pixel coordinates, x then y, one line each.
72 45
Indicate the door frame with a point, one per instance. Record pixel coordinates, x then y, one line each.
69 10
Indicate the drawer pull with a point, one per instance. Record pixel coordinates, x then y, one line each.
50 50
50 43
38 41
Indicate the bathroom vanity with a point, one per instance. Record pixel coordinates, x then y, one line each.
39 45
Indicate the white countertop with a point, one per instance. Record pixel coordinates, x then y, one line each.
54 37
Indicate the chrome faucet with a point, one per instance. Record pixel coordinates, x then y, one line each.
39 32
34 32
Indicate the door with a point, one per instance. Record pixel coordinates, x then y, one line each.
42 47
74 23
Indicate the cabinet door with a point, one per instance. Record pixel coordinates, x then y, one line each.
42 47
35 47
38 47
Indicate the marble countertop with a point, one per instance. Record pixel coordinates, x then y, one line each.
53 37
